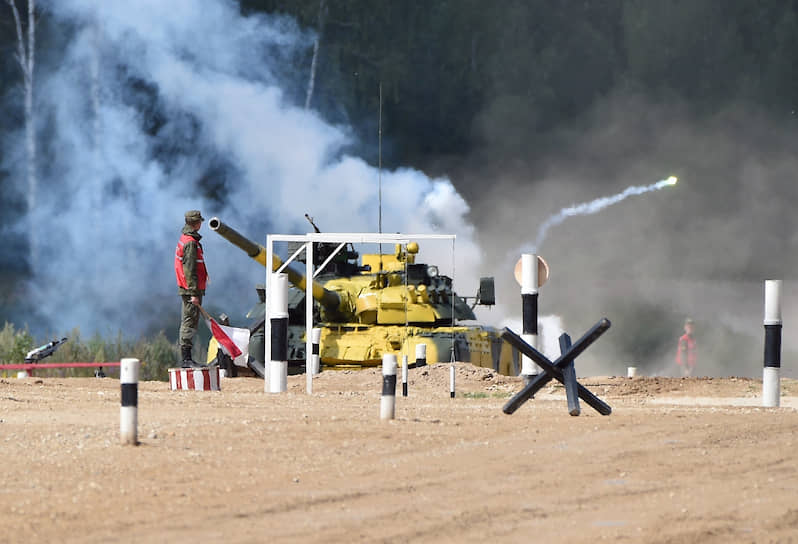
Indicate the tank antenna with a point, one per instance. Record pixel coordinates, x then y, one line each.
379 159
379 170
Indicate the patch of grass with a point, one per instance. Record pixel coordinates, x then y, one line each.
485 395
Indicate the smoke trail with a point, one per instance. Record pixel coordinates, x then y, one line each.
594 206
173 101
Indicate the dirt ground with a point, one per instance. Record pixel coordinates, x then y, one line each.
678 460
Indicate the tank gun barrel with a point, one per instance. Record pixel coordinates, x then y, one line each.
310 220
329 299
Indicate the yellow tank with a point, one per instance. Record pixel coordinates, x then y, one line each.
381 303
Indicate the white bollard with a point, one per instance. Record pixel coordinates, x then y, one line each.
315 359
529 312
421 355
22 374
771 382
404 375
128 412
388 397
278 318
771 385
451 381
631 372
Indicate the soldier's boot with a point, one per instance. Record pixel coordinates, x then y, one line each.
188 362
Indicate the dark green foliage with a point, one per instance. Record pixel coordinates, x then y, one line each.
14 344
460 75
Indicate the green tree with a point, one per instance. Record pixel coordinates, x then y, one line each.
14 344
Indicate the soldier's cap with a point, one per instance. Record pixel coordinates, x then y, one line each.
192 216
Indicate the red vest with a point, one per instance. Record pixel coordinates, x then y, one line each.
202 273
686 352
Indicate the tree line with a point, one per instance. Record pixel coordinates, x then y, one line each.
157 353
452 71
457 73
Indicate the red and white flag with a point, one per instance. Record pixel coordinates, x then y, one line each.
226 343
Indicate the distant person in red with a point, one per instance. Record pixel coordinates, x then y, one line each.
685 355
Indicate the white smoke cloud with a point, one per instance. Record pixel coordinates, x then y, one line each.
117 194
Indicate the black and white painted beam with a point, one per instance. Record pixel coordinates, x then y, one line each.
128 412
451 379
388 397
771 380
278 319
404 375
529 308
315 359
421 355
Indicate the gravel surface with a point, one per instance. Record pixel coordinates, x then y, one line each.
679 460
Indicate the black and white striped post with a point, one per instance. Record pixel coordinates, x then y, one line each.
388 397
128 412
771 383
315 360
451 377
529 309
421 355
278 319
404 375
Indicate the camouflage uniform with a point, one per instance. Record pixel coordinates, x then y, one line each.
189 315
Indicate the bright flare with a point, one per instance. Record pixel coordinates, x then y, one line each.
672 180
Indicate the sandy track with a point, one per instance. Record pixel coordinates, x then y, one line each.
244 466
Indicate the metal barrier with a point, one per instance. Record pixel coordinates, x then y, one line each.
560 370
30 367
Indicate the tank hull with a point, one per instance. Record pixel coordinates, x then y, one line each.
355 345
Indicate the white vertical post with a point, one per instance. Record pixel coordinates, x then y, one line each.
277 299
267 333
451 380
771 382
309 368
128 412
421 355
404 375
388 397
529 306
315 356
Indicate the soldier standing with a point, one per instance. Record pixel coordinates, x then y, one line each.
192 277
685 354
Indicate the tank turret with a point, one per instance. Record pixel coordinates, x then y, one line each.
387 289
